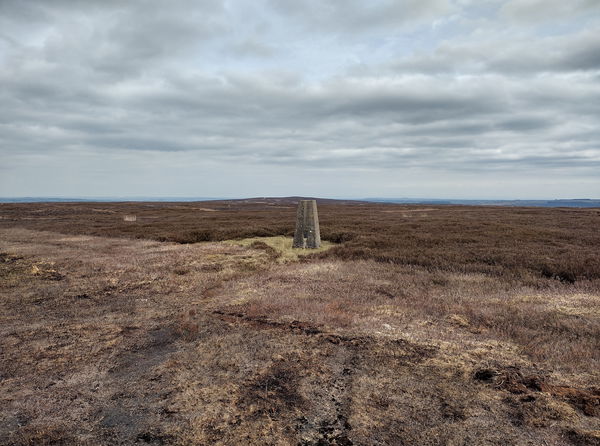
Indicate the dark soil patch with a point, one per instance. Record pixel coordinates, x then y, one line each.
273 392
401 350
43 435
9 258
581 437
142 357
50 275
263 322
513 380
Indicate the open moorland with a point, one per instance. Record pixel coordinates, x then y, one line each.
197 324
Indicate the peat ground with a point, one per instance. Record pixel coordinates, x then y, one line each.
422 325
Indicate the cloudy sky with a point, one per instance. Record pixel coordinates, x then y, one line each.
338 98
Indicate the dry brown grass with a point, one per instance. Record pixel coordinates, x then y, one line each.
558 325
119 341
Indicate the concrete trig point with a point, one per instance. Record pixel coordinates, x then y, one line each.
307 233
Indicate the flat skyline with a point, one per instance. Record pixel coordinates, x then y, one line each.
550 202
452 99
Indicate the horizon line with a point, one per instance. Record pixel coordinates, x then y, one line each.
50 198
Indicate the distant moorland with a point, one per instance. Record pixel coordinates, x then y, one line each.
541 242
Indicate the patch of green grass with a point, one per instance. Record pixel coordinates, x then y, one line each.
283 247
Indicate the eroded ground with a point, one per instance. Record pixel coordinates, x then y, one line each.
111 341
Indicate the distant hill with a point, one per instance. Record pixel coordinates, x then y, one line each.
576 202
572 203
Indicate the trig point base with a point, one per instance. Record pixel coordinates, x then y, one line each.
307 233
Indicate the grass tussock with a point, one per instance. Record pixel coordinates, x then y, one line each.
280 248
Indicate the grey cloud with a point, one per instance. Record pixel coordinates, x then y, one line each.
545 10
563 54
583 57
552 54
355 15
119 39
174 119
251 47
196 82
